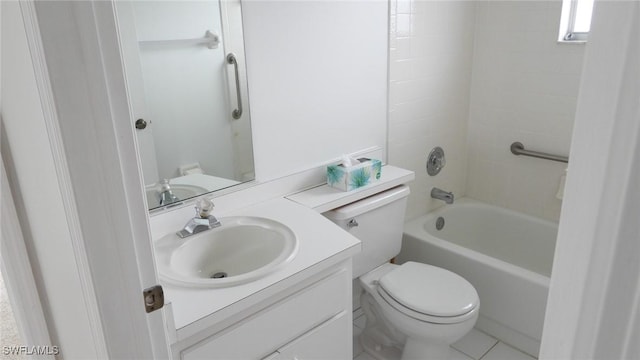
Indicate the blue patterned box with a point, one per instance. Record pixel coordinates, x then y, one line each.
353 177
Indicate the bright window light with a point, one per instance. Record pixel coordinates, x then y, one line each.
576 20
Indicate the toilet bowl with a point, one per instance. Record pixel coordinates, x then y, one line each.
416 308
413 310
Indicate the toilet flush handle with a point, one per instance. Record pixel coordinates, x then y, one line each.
352 223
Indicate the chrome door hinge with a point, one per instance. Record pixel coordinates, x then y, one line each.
153 298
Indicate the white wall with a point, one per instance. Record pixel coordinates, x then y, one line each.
430 71
318 81
524 88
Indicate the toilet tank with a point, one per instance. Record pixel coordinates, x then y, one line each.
378 222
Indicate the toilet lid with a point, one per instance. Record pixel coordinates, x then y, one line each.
430 290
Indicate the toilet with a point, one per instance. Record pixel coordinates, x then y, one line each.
413 310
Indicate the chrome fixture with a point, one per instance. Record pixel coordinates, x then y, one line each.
442 195
141 124
202 221
231 59
166 195
518 149
435 161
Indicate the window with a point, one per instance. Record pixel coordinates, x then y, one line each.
576 20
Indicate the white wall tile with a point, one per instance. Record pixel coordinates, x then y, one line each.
430 108
403 25
473 78
524 88
405 6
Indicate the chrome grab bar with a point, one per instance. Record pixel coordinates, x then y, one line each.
231 59
211 40
518 149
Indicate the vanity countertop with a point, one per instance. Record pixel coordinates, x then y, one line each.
319 240
321 244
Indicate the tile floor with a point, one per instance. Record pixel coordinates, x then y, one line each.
474 346
8 328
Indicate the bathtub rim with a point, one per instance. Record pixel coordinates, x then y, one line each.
468 201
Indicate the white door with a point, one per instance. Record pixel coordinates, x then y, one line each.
19 280
89 133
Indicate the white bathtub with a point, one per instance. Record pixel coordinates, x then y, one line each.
506 255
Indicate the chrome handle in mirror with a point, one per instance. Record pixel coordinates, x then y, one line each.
231 59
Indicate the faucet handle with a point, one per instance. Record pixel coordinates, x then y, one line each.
164 185
204 207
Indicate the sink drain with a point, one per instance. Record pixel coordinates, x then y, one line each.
219 275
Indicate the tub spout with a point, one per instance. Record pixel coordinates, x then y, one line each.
442 195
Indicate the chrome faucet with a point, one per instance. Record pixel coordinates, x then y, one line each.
202 221
166 195
442 195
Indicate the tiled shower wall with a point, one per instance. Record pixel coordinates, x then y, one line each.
431 50
473 77
524 88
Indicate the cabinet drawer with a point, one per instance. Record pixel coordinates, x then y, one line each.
265 331
327 341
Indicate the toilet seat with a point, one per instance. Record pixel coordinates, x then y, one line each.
428 293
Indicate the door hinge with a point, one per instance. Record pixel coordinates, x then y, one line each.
153 298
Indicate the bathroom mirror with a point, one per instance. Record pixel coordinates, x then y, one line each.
186 75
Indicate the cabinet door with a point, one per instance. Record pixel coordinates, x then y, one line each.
330 340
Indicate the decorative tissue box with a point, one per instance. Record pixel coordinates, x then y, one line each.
353 177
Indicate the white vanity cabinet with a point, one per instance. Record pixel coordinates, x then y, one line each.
312 321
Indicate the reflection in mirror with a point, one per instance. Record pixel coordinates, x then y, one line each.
184 62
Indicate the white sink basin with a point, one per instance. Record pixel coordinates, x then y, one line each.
243 249
182 191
